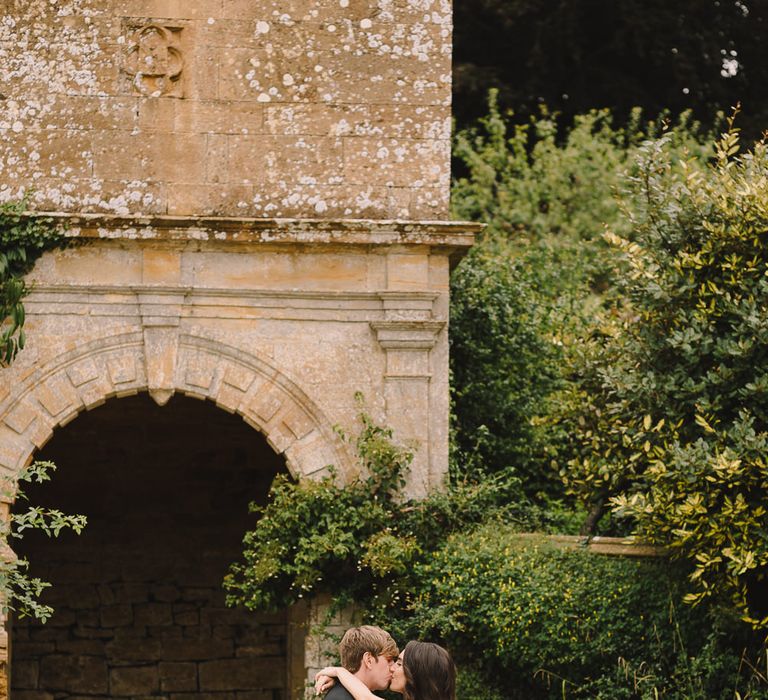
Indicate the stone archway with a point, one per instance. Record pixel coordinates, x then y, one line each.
139 605
163 362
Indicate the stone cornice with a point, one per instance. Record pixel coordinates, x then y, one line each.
407 335
454 235
386 296
209 302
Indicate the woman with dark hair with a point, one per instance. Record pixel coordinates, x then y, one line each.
423 671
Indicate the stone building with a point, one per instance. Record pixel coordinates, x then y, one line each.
257 195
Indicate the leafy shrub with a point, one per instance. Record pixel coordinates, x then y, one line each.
525 619
360 540
533 281
673 399
319 536
506 364
534 608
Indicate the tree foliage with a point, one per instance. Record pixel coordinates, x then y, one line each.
20 591
533 281
672 404
577 55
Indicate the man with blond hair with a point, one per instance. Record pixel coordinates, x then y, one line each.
369 653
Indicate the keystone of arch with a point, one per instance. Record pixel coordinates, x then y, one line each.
237 381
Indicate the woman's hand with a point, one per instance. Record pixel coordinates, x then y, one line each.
323 683
324 679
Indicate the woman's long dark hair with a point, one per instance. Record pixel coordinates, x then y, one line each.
430 673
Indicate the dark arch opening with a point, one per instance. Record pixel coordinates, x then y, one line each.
139 605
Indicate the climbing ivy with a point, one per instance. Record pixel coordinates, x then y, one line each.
358 541
24 237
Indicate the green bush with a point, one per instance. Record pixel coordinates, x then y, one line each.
533 608
528 620
506 363
361 540
533 281
673 396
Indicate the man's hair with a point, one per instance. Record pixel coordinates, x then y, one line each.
357 640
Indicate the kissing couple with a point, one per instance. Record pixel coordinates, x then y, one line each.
370 660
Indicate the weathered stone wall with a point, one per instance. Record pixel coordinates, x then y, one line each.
274 108
139 605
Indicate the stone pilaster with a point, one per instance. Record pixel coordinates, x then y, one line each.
407 378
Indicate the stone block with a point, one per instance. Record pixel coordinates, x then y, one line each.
241 674
197 650
255 695
172 9
219 117
165 593
186 615
80 647
131 592
106 594
31 695
116 615
298 422
153 614
77 674
272 158
317 119
161 267
21 417
62 617
178 676
274 649
26 649
219 199
92 632
150 156
25 673
134 680
216 170
227 616
198 594
403 162
88 619
166 632
81 597
137 649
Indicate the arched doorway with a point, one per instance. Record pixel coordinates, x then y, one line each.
139 606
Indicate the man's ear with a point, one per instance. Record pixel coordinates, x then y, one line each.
368 659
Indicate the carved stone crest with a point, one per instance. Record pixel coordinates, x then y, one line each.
153 60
